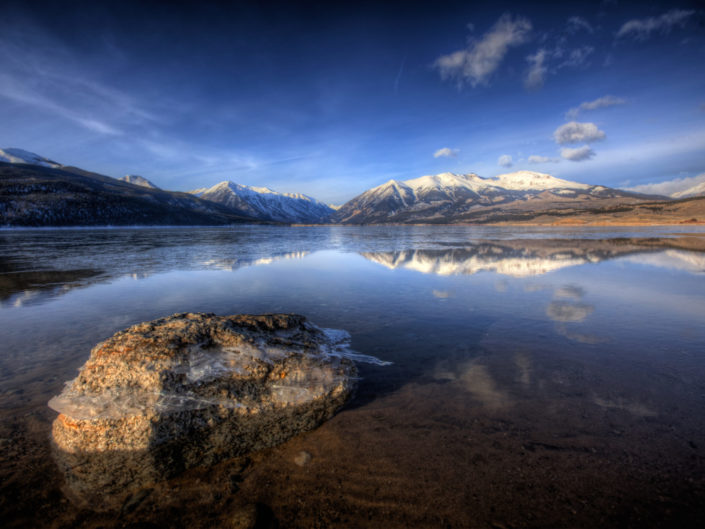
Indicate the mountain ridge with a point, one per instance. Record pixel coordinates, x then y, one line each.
457 197
266 204
38 191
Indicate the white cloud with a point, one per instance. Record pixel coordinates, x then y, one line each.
577 155
537 70
641 28
535 158
476 63
505 160
575 24
601 102
575 132
669 187
446 152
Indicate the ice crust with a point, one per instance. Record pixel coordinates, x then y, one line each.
203 366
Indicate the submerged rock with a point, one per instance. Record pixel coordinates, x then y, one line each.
190 390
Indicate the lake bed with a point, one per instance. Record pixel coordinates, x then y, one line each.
539 377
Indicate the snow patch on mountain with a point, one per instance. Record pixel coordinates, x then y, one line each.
14 155
138 181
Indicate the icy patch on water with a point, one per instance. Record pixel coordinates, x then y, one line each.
340 346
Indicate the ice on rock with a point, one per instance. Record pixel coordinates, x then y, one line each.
191 389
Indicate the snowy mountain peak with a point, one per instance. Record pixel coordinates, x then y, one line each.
265 203
138 181
531 180
445 181
14 155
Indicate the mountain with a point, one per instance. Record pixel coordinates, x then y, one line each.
13 155
138 181
38 195
263 203
451 198
697 190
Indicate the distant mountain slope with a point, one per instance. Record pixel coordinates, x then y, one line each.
14 155
34 195
265 204
138 181
448 198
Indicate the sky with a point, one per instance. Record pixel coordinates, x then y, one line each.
331 99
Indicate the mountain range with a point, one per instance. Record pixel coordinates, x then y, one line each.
454 198
263 203
36 191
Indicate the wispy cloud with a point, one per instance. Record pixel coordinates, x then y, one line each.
478 61
669 187
535 158
40 72
601 102
576 24
575 132
550 59
642 28
577 155
505 160
446 152
537 70
576 57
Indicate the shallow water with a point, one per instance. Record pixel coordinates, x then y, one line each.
540 378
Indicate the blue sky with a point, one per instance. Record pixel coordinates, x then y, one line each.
331 100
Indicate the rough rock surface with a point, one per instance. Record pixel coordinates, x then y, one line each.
190 390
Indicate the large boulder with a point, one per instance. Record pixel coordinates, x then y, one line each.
190 390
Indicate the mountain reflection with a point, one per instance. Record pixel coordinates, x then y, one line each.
525 258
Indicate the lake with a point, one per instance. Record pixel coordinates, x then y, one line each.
539 377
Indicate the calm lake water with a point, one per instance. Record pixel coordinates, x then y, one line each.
540 378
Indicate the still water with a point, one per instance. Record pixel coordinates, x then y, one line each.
539 378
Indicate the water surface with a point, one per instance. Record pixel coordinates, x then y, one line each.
540 378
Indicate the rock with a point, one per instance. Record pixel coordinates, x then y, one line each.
302 458
191 390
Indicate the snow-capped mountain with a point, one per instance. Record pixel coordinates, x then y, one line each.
265 204
697 190
449 197
14 155
138 181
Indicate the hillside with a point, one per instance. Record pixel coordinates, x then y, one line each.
33 195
